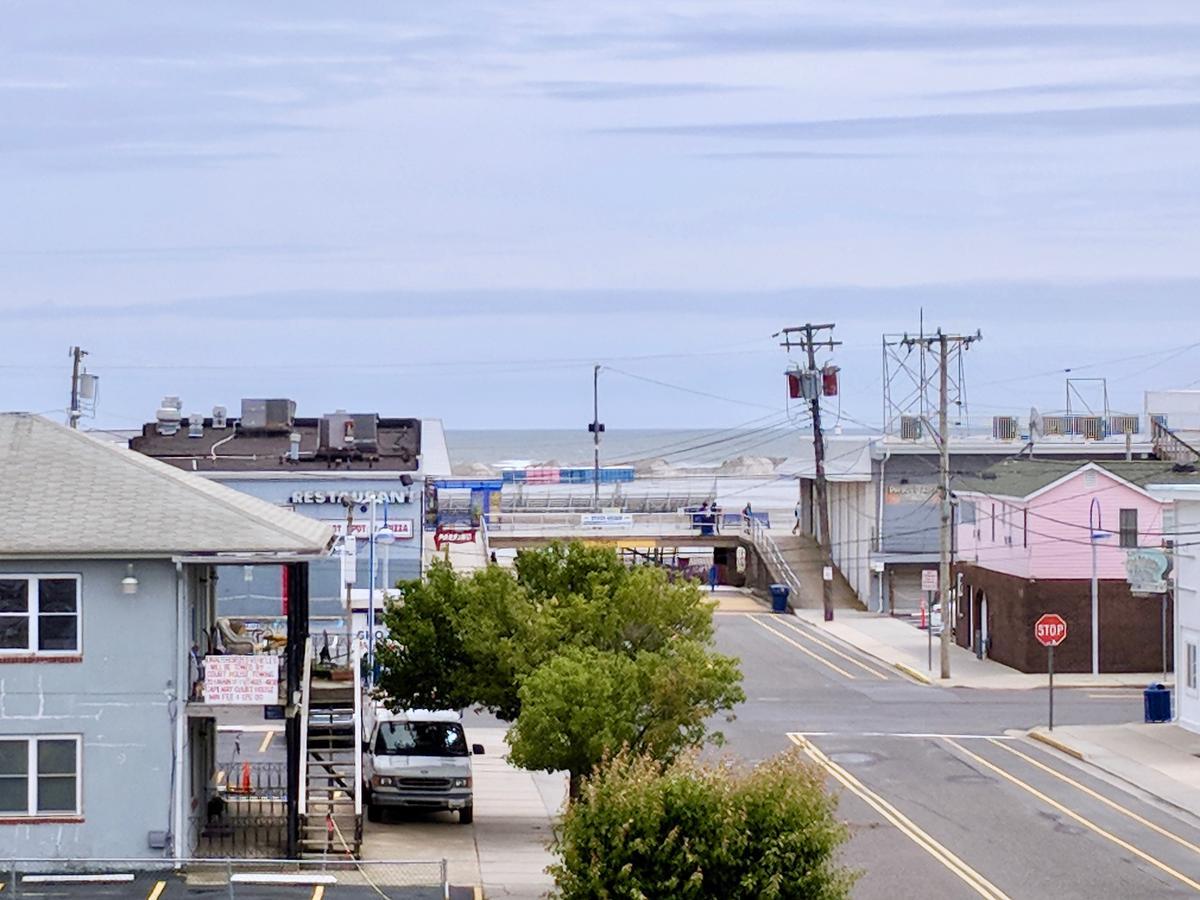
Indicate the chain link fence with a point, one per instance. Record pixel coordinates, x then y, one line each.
227 879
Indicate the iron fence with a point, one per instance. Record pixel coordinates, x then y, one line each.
243 813
261 879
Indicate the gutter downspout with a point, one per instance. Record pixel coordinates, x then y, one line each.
182 690
879 521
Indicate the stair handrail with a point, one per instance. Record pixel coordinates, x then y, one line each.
305 692
1167 443
763 540
358 735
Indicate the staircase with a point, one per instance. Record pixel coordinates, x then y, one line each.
796 560
331 777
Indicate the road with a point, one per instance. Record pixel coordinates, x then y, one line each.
170 886
943 796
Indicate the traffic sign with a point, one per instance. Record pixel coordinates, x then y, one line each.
929 579
1050 630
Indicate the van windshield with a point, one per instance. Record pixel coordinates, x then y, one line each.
420 739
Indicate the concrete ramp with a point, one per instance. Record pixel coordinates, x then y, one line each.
802 555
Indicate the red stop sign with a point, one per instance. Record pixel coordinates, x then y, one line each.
1050 630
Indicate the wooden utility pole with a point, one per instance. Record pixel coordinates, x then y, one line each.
805 337
944 342
595 427
74 413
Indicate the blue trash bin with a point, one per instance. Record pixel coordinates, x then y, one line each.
779 597
1157 703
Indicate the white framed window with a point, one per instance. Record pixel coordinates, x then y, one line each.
39 614
1189 667
40 775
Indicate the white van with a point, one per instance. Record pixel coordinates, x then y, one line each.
417 758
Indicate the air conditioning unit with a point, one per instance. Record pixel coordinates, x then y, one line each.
336 433
1055 425
1092 428
268 416
910 428
1004 428
1124 424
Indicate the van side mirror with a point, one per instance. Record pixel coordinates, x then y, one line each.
477 749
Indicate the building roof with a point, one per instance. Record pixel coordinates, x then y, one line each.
68 495
1024 477
847 458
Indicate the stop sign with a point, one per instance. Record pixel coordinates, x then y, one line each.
1050 630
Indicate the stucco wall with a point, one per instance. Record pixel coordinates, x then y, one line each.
116 698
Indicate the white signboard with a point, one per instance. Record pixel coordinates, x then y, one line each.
929 579
1146 570
401 529
606 520
241 680
349 554
827 573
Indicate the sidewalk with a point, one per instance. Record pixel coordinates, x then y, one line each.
904 646
1163 760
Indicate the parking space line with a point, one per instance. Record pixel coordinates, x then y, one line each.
905 825
1108 835
833 649
266 741
799 646
1112 804
157 890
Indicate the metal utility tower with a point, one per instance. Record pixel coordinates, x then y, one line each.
944 342
805 337
912 376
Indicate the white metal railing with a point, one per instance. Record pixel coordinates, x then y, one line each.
769 550
305 691
587 523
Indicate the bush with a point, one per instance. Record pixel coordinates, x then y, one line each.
694 830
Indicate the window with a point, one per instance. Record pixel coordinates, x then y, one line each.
1129 529
966 511
993 523
39 776
1025 527
1189 669
39 614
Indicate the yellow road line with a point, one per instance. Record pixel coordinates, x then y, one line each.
318 892
799 646
1097 796
157 890
1123 844
478 892
905 825
833 649
266 741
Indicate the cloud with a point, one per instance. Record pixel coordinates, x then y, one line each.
1046 123
626 90
795 155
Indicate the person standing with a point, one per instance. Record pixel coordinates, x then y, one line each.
797 513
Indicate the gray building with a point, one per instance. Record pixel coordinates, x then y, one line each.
107 568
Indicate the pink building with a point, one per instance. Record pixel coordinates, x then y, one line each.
1025 532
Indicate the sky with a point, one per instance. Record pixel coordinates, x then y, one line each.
456 209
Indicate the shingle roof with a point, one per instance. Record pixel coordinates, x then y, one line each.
64 494
1022 477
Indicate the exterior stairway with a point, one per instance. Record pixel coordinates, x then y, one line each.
795 560
332 823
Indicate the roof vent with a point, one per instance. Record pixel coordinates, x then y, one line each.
220 417
196 425
167 417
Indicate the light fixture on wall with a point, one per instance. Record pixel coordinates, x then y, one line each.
129 584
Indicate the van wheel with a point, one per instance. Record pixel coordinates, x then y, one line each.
466 815
374 813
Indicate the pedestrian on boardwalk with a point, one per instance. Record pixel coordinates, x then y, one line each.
747 515
797 513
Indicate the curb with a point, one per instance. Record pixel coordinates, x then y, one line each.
1058 745
913 673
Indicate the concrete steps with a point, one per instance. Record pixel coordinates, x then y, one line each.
803 554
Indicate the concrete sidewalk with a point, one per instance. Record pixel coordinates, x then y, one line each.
1163 760
900 644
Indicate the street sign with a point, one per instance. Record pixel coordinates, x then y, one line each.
827 573
1146 570
929 579
1050 630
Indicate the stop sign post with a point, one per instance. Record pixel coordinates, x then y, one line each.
1050 631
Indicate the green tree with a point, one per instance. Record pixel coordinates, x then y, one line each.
690 830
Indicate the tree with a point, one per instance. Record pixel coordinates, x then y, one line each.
692 830
587 703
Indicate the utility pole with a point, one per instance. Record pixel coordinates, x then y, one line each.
805 336
595 427
75 412
944 342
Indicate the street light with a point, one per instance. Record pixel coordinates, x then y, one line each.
1097 533
385 537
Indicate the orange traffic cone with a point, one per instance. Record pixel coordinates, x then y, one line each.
245 778
923 622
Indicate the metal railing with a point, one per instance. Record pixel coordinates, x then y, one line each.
243 811
1170 446
762 540
537 524
228 877
305 694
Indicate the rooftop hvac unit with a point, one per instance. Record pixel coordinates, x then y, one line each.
1054 425
1124 424
167 417
1004 428
1092 428
220 417
910 428
366 432
268 416
196 425
336 433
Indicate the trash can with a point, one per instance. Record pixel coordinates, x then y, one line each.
1158 703
779 598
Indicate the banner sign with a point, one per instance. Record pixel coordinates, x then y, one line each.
606 520
445 535
241 680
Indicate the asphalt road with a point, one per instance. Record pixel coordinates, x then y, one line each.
169 886
943 796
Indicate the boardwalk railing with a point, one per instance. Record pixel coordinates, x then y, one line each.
765 544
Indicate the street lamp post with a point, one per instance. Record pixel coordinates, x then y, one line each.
1097 533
